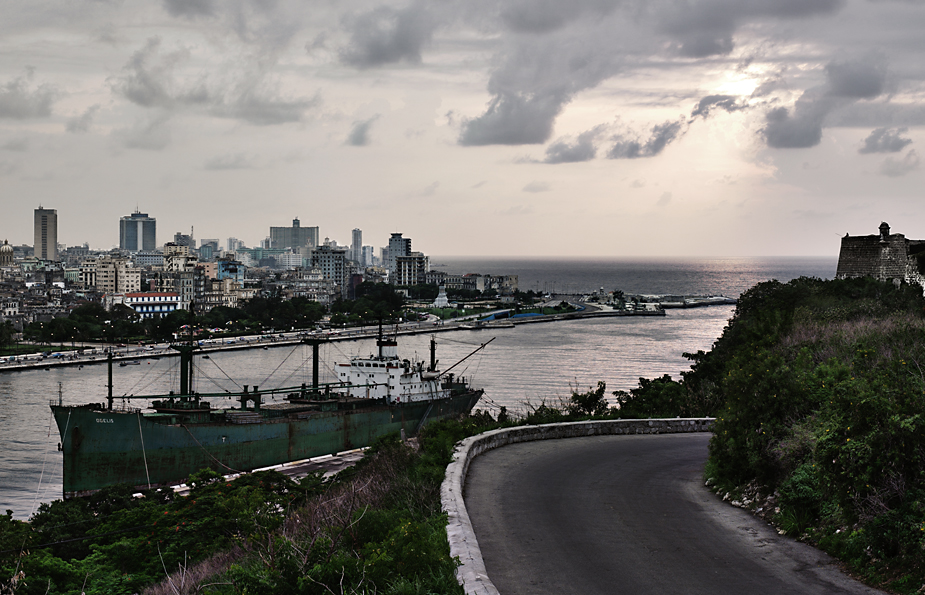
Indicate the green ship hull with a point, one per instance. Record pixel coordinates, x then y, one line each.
104 447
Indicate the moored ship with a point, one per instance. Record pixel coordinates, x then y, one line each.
181 433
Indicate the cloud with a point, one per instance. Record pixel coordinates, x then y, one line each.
536 187
894 168
800 130
885 140
19 145
707 104
386 35
513 119
149 79
359 134
19 101
858 79
536 77
149 134
663 200
846 82
229 161
627 147
543 16
82 122
583 149
706 28
263 106
189 8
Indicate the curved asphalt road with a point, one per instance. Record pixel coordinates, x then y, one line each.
628 514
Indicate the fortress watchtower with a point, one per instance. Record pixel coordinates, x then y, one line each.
885 256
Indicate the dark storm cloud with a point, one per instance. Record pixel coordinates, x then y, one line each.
20 100
189 8
535 79
359 134
386 35
583 149
513 119
894 168
846 82
627 147
885 140
727 103
862 79
800 130
706 28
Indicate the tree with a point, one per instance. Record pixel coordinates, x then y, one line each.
591 403
6 335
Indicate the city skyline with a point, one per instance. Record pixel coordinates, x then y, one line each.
494 127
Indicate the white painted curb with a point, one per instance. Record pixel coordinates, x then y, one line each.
463 544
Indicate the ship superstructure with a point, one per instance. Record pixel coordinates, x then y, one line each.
182 433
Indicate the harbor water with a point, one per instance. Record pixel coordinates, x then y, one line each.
521 368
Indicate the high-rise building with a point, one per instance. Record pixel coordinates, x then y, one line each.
293 237
46 234
356 247
137 232
398 246
181 239
332 265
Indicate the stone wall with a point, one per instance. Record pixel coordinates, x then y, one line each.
463 544
886 257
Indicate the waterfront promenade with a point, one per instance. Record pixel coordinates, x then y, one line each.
127 354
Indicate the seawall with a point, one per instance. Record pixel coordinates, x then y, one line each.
463 543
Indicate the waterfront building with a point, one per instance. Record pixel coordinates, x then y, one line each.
152 304
409 270
137 232
46 234
293 237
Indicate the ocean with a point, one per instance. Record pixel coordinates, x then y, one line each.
522 368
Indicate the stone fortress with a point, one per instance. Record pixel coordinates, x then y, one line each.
886 256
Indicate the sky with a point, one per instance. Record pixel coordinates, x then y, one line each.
475 127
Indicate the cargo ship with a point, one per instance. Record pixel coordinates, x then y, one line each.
180 433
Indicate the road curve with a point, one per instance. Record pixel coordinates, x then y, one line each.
628 514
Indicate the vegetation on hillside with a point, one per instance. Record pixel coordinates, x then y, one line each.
819 392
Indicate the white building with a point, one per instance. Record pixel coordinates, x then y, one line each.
152 304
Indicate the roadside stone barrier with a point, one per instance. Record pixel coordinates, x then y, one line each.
463 544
